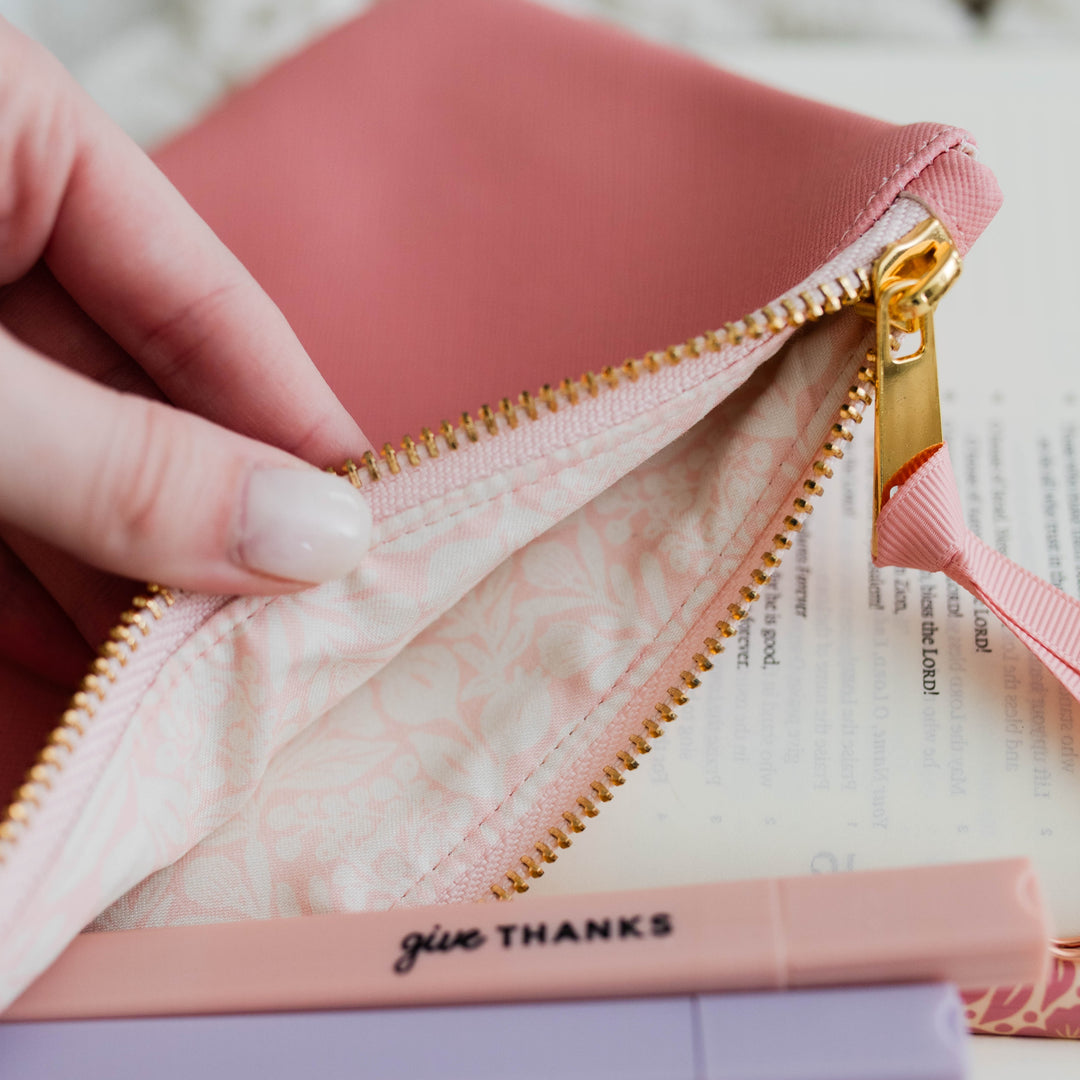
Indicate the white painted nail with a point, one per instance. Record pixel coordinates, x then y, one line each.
302 526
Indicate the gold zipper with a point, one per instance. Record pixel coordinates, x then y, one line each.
840 292
652 726
908 280
124 638
824 298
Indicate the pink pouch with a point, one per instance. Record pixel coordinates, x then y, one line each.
451 200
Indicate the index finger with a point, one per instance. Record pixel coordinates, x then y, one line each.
77 191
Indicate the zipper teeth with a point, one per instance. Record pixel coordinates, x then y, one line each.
789 313
545 850
147 609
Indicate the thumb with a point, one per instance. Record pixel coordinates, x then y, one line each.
145 490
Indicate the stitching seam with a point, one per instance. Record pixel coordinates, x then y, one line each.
838 246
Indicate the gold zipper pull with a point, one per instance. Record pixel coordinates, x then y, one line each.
909 279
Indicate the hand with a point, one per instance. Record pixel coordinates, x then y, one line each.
157 414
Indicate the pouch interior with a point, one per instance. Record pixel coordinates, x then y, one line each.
331 775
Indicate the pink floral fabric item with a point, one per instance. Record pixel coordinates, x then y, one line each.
1049 1009
267 713
403 735
444 765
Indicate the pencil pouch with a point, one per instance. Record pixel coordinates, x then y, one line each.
452 200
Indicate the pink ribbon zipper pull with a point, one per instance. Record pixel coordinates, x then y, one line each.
921 525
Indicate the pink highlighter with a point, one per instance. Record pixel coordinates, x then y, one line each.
975 925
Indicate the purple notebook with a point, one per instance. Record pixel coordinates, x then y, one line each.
877 1033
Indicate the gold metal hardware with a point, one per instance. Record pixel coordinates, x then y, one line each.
814 310
146 609
411 452
795 315
534 868
546 853
677 695
909 280
469 428
371 463
1065 949
519 883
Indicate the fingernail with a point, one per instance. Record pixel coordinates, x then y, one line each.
303 526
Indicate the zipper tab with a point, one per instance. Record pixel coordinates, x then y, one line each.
909 279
